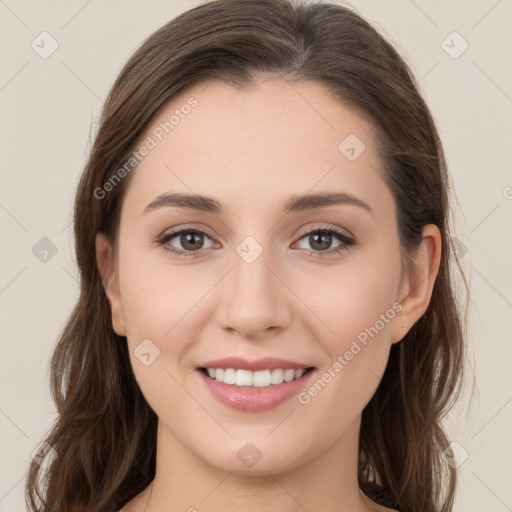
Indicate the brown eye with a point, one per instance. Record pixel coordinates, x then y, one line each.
191 240
320 240
185 242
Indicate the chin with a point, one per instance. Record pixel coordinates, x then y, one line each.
246 459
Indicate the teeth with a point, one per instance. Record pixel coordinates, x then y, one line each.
242 378
259 379
229 376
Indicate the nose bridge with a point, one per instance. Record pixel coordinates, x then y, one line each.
251 263
253 298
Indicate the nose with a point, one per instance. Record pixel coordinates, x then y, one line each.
253 299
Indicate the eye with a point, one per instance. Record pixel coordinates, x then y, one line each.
321 239
190 240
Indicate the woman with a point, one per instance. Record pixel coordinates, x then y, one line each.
266 317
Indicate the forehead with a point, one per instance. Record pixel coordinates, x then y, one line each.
263 143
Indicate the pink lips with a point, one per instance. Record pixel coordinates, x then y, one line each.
267 363
249 398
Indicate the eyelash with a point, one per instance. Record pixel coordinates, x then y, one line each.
346 242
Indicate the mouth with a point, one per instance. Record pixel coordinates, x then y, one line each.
254 391
255 379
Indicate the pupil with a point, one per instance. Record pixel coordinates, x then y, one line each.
326 237
187 240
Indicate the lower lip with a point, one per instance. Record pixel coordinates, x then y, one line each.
254 399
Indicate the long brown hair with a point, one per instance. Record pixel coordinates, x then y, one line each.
105 432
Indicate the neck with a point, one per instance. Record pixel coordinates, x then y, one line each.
327 482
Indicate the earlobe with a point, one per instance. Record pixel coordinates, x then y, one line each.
416 289
110 281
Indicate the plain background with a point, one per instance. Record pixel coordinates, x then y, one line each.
49 109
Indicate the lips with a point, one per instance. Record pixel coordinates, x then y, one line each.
252 398
266 363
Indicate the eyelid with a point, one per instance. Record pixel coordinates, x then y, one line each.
309 229
346 240
303 231
178 230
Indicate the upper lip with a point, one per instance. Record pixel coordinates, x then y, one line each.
266 363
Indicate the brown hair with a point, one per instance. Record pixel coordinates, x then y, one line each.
105 432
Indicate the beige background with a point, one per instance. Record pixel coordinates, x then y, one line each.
49 109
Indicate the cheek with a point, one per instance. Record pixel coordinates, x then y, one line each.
160 304
158 296
357 305
353 296
361 315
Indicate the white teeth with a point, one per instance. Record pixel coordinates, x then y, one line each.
289 375
277 377
229 376
259 379
242 378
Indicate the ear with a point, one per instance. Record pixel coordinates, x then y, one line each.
109 278
416 287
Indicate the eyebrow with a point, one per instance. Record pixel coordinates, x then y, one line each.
294 204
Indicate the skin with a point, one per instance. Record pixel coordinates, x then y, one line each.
251 150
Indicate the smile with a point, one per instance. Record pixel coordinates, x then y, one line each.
259 379
254 386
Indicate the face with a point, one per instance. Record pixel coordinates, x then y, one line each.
254 279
